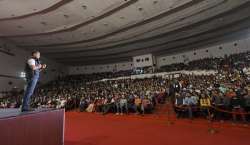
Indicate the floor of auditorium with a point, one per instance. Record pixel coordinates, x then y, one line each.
96 129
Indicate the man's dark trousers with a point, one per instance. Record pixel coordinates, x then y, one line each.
31 85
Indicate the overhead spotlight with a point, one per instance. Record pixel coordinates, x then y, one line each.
84 7
155 2
66 16
140 9
44 23
20 27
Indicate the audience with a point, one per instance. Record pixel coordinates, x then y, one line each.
239 61
211 96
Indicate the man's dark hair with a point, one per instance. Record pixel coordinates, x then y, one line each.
35 51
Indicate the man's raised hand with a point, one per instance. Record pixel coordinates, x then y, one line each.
44 66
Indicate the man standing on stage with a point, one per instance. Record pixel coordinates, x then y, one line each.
32 70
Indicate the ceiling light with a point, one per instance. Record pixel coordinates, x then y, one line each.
140 9
155 2
66 16
19 27
84 7
43 23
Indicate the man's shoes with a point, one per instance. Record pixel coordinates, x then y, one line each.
28 110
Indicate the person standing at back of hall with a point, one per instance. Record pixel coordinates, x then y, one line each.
32 70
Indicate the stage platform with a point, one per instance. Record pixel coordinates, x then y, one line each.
39 127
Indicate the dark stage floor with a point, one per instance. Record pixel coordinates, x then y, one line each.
7 113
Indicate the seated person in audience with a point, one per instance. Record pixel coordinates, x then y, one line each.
108 104
123 104
230 93
161 97
99 104
91 107
146 105
247 99
131 102
117 103
238 104
189 103
138 104
226 101
194 97
83 104
178 105
205 105
217 101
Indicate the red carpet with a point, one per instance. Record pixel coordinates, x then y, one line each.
95 129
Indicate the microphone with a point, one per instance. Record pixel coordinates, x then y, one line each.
43 65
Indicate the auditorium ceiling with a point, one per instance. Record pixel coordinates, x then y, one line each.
78 32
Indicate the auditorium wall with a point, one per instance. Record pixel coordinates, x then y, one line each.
143 60
12 62
88 69
221 50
